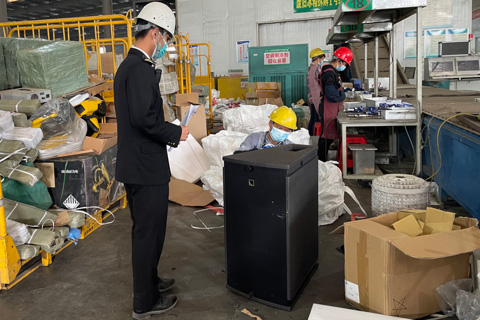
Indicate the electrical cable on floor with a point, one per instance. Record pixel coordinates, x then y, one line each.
438 141
205 227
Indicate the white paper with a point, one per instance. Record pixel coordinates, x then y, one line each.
351 291
186 119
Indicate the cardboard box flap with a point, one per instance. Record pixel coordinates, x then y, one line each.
186 99
439 245
376 229
188 194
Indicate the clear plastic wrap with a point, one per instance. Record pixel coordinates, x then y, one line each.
3 70
468 305
10 48
447 294
63 133
30 137
59 66
6 122
248 119
72 141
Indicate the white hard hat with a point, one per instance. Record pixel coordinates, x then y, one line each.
160 15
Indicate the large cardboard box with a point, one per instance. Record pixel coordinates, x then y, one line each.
197 125
263 90
389 272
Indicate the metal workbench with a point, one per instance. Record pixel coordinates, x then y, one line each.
349 122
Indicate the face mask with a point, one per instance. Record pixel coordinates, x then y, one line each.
322 63
278 135
159 52
340 68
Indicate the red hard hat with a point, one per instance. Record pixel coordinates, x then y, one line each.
344 54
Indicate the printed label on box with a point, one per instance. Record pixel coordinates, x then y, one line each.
352 292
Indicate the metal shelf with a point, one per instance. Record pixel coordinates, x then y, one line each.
376 11
375 19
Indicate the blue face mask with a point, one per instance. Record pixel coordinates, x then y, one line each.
322 63
278 135
341 68
159 52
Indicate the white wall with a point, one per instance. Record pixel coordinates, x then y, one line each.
223 22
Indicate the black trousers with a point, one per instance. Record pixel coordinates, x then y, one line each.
323 147
148 208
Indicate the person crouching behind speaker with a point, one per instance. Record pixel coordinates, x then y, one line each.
282 122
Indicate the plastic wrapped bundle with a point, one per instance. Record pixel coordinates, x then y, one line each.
12 150
30 137
59 66
48 241
28 215
6 122
3 70
37 196
31 155
28 251
20 120
11 46
28 107
77 218
72 141
63 133
23 174
18 231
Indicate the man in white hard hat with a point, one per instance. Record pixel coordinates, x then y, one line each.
142 162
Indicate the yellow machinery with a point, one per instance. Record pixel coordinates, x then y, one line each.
91 110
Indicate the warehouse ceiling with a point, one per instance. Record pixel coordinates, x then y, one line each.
21 10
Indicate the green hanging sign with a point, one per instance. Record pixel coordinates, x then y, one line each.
356 5
315 5
351 28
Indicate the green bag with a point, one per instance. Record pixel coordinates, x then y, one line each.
36 196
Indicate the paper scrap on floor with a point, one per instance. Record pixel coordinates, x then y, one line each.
323 312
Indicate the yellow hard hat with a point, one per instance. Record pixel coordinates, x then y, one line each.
316 52
284 116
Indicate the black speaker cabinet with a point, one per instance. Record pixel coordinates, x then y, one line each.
271 222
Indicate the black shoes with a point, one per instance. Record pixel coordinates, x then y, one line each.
163 305
165 284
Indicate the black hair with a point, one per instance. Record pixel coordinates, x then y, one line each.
142 34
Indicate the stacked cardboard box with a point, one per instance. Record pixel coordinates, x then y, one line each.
198 123
394 262
259 93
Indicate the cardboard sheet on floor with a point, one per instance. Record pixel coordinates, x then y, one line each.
188 194
323 312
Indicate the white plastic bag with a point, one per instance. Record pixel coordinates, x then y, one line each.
222 144
6 122
30 137
331 190
248 119
213 181
300 137
18 231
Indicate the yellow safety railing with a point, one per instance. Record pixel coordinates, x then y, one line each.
185 60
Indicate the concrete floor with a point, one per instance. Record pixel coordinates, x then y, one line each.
92 280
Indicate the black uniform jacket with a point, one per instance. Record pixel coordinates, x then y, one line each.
143 133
